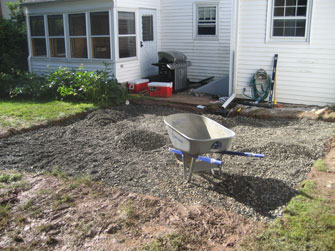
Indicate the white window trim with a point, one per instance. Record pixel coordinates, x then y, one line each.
195 21
305 40
116 26
30 37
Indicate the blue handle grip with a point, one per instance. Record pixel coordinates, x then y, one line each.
202 158
257 155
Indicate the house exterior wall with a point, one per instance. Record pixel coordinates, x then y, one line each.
306 70
209 57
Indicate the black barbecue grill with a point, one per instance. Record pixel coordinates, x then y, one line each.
173 68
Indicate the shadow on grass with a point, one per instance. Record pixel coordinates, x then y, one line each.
263 195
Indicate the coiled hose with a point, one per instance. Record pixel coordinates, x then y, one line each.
259 92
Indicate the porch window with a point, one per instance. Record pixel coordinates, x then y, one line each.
77 31
56 36
100 35
37 32
289 18
207 20
127 34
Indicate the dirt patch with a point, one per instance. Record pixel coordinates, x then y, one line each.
50 213
127 147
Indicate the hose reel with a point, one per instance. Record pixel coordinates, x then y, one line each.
260 85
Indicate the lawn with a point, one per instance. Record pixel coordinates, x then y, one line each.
23 114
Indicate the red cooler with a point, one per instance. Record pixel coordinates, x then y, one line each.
160 89
138 85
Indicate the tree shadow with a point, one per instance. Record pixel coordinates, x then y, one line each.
263 195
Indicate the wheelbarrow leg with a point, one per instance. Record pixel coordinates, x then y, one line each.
185 165
191 169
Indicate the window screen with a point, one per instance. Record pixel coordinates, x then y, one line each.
56 36
100 40
77 30
147 28
127 34
37 31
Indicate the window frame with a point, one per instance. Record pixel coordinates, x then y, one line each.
284 39
86 36
118 36
39 37
196 7
100 36
55 37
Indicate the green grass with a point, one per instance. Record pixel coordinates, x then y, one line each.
20 114
7 178
308 224
321 166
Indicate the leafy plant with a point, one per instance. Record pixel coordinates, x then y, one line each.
99 87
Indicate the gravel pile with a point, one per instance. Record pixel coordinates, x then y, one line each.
141 139
128 147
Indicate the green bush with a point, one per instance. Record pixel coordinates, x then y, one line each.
98 87
19 84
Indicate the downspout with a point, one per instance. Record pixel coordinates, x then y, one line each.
234 47
28 39
233 53
113 36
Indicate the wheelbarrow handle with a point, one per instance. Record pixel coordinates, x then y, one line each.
202 158
257 155
214 161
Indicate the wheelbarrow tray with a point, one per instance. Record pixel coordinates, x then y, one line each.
196 134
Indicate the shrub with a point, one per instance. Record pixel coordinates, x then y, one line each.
19 84
99 87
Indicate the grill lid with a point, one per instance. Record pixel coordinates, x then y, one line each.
171 56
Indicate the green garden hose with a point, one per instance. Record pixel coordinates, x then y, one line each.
260 88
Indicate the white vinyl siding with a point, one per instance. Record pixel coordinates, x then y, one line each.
209 57
306 71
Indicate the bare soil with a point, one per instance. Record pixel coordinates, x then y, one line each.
48 213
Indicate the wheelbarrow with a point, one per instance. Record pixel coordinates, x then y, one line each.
193 135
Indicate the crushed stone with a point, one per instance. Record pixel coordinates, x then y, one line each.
127 147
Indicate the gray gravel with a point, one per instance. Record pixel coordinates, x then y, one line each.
128 147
